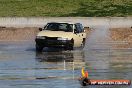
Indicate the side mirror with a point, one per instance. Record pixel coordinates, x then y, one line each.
40 29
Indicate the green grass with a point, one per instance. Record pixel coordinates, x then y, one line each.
62 8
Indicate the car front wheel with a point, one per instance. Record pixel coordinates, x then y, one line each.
71 45
39 48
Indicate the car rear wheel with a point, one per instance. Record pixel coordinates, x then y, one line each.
83 42
39 48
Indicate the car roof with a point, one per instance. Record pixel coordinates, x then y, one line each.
65 22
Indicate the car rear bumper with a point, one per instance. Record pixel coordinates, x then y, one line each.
53 43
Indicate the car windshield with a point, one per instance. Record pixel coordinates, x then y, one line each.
59 27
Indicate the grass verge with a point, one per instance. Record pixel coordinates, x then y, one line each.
65 8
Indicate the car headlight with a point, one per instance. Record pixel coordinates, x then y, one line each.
62 39
40 37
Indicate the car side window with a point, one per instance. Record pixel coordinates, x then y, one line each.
81 27
78 28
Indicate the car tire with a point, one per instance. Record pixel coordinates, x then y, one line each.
70 47
39 48
83 42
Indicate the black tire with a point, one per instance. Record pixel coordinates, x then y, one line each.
39 48
83 42
70 47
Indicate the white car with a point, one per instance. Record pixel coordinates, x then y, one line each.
65 35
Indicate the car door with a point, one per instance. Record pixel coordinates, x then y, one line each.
79 35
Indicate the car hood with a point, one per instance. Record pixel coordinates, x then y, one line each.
56 34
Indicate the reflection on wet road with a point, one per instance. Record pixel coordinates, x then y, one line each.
22 67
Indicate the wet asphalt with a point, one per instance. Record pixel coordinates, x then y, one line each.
22 67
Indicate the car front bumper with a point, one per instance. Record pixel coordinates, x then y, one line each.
53 43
